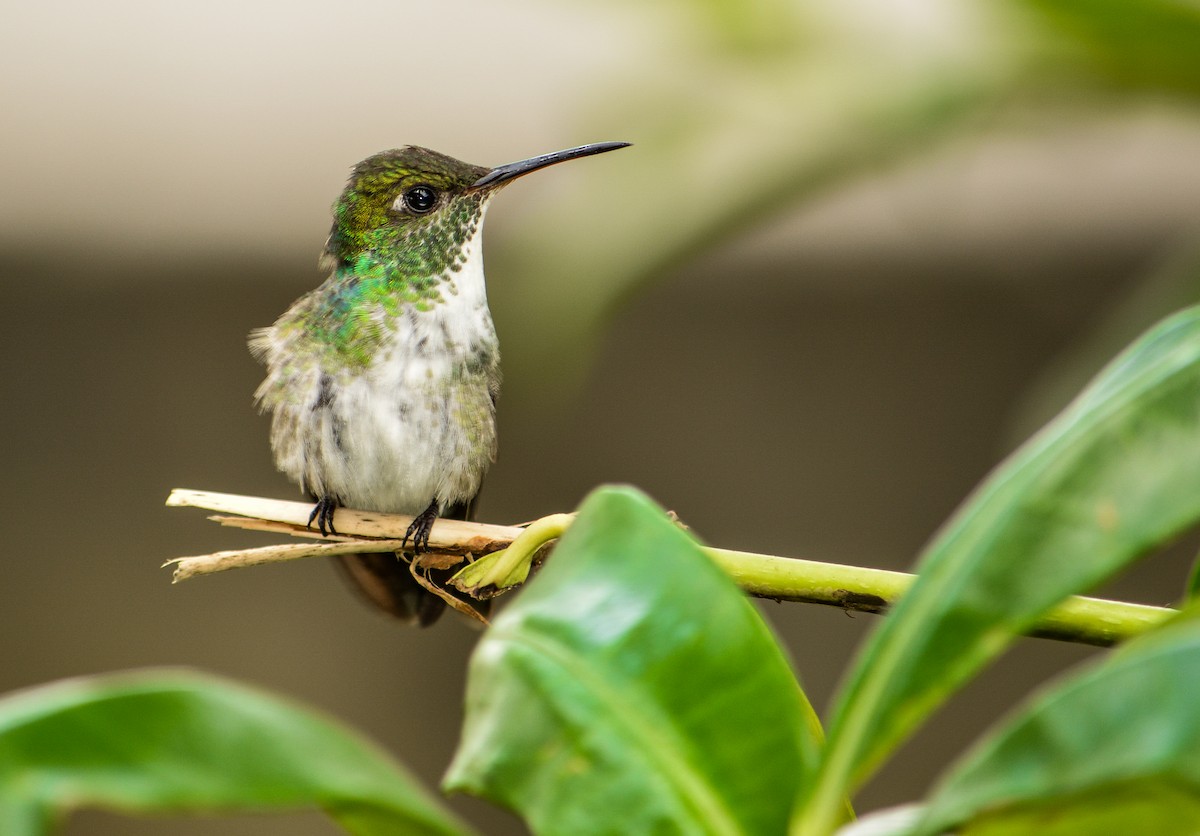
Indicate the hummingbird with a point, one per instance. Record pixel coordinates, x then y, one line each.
382 383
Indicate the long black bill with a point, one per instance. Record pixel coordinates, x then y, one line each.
504 173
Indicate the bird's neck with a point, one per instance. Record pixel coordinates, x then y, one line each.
388 290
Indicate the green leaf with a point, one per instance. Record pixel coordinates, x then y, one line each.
1116 749
175 741
631 688
1115 475
1118 810
1153 44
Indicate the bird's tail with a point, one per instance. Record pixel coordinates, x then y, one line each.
383 579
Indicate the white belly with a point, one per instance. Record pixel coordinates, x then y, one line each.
411 430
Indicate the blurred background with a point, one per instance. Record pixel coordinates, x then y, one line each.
858 253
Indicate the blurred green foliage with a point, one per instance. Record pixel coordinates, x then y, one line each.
1147 46
767 105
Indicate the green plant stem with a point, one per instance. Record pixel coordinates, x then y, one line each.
1082 620
509 567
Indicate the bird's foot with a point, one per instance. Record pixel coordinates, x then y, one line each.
322 514
421 527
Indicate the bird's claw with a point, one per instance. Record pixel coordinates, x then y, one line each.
420 529
322 513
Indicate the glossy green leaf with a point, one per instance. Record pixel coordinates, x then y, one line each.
1116 474
1115 749
174 741
631 688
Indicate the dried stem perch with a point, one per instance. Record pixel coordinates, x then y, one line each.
358 531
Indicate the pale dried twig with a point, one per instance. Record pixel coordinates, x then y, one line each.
358 532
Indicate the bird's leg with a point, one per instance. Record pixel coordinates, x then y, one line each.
421 527
322 513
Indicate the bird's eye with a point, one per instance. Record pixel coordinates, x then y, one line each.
420 199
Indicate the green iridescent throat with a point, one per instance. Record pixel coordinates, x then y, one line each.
381 273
